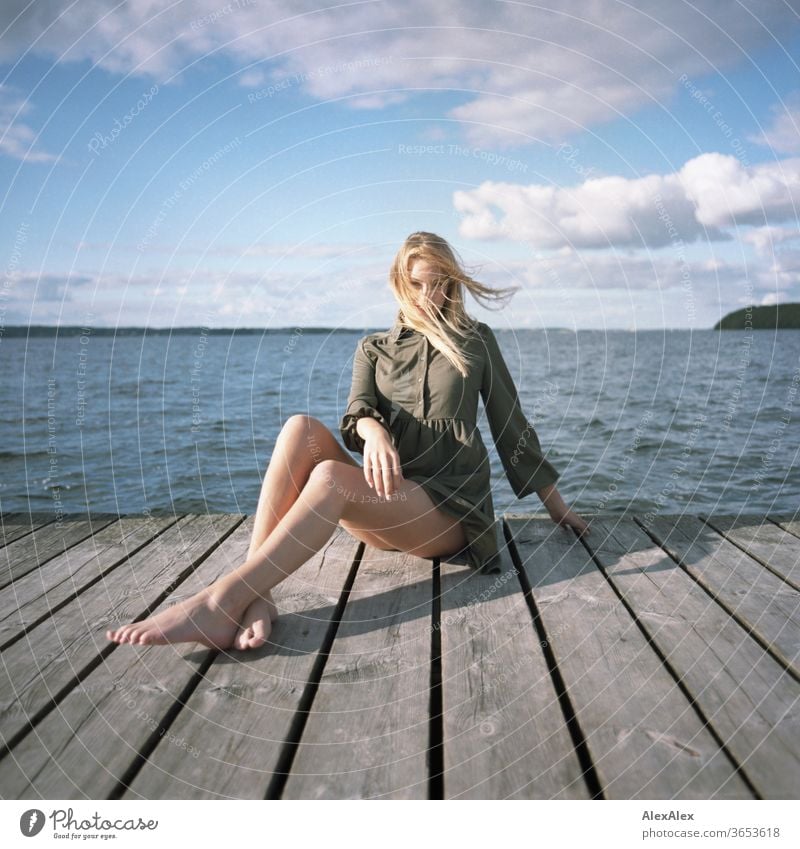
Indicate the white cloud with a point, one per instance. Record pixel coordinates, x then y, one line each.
526 71
26 287
304 250
779 250
563 289
17 139
764 239
711 192
783 135
725 192
569 274
600 290
252 78
341 297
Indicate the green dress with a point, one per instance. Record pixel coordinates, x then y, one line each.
430 411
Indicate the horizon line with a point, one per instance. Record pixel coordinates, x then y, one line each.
316 328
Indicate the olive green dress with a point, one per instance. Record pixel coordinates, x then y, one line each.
430 411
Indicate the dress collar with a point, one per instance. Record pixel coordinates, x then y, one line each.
400 330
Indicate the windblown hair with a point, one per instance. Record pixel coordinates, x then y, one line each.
446 328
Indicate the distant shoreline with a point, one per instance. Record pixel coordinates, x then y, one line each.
773 317
46 331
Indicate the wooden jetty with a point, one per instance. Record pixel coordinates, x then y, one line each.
647 661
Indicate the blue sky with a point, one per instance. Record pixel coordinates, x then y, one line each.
259 163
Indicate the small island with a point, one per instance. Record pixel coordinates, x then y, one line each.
774 317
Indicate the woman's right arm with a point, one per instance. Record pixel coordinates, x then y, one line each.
382 468
362 401
366 431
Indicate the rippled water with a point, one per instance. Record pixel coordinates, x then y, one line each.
649 421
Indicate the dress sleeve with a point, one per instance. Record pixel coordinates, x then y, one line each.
516 440
362 401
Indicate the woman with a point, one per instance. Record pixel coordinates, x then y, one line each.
425 484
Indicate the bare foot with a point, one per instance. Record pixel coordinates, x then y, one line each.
200 619
256 623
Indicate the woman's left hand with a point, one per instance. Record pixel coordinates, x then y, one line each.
572 520
559 512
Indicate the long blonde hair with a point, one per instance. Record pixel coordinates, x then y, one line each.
447 327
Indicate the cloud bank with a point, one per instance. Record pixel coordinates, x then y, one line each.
526 72
709 194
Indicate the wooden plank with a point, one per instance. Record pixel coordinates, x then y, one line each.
51 656
748 698
30 599
504 733
31 551
643 737
16 525
368 732
788 522
771 545
760 600
86 747
242 712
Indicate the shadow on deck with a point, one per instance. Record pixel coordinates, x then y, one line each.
648 661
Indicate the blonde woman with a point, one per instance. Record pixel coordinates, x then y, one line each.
424 487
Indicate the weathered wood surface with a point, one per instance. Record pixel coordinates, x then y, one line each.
790 523
642 736
50 660
645 661
38 594
763 603
504 731
367 735
33 550
247 704
16 525
770 544
746 696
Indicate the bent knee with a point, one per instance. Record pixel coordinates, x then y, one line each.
302 420
306 429
332 474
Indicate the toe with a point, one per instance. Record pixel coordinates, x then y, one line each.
242 639
256 642
151 636
260 633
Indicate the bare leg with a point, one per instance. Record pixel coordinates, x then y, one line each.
335 490
302 443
